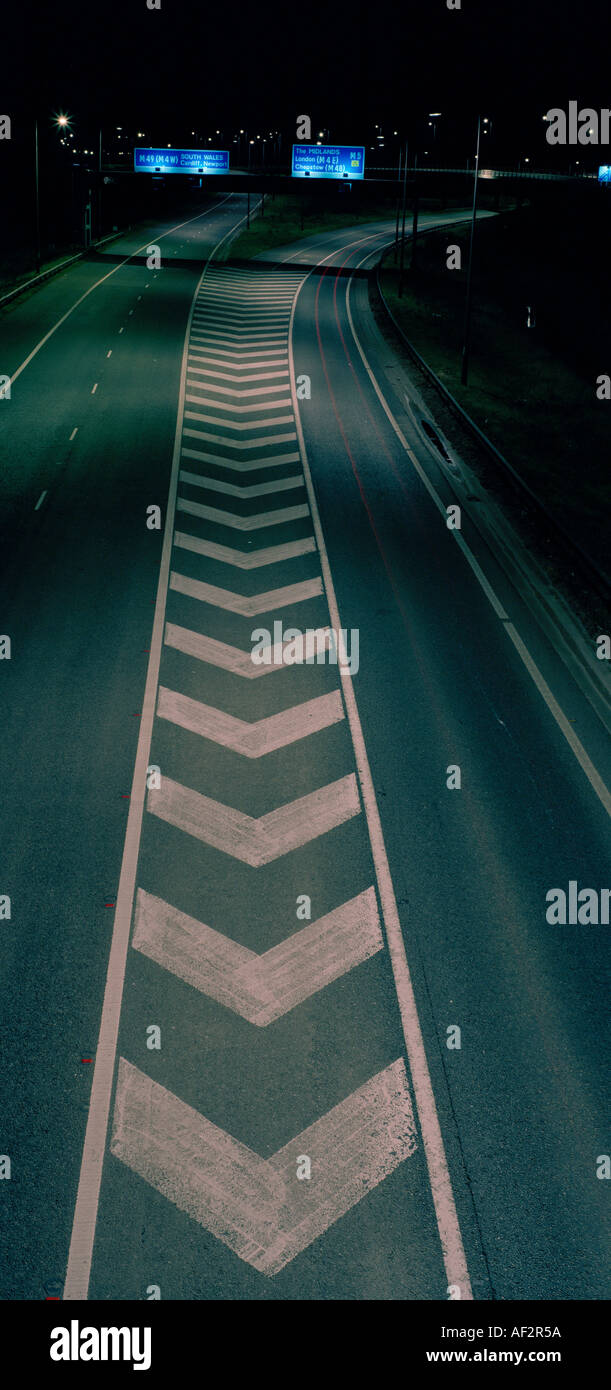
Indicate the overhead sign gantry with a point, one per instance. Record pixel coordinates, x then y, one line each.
169 161
328 162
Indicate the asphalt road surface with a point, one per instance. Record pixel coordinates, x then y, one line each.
248 915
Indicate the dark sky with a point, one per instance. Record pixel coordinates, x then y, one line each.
231 64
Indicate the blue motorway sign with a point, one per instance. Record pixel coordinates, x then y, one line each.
181 161
604 173
328 162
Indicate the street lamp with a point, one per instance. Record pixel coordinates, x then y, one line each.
464 376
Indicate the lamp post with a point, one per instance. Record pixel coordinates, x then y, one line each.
37 214
464 375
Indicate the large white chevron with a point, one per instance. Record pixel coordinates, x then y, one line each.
234 659
245 559
259 988
256 841
199 352
231 376
240 465
260 443
257 1206
242 523
235 490
248 605
280 404
236 391
252 740
225 424
234 367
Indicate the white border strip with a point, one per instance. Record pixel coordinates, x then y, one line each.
88 1194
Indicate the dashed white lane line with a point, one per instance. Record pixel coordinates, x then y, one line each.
109 353
94 389
40 500
116 268
131 311
121 330
75 430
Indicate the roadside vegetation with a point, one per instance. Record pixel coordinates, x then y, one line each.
531 389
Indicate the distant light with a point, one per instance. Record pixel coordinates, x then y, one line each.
321 132
241 132
435 113
395 132
119 127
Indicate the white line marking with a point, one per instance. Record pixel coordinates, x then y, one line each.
233 659
121 330
252 740
248 605
439 1177
42 498
241 465
260 988
86 1208
243 523
224 423
234 490
94 389
256 840
231 376
596 781
245 560
75 431
260 443
109 353
224 407
255 1205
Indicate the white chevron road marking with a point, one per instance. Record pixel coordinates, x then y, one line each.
240 465
233 659
230 376
241 352
235 391
251 740
257 1206
241 424
223 407
234 490
256 841
262 988
285 438
248 606
242 337
242 523
245 560
200 357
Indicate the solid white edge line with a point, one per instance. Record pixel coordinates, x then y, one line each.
441 1186
88 1193
587 766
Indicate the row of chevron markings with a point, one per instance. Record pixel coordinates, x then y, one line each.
239 424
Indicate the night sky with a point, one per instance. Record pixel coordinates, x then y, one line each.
193 64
